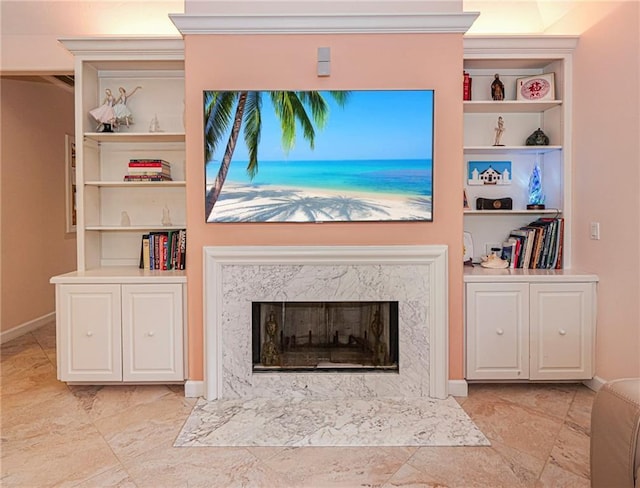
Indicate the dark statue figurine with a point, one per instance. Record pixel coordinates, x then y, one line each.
497 88
538 138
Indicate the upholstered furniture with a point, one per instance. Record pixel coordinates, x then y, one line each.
615 435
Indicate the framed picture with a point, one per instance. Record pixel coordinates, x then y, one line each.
340 156
489 173
535 88
70 183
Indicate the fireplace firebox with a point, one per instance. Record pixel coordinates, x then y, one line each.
325 336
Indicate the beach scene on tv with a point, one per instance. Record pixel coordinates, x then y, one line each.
318 156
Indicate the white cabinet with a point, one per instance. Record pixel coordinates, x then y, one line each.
120 333
497 331
530 327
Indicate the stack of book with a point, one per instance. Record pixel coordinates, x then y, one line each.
164 250
148 170
536 246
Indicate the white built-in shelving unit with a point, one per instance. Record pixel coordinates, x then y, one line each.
115 321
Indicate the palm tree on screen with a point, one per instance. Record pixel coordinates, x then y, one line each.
241 110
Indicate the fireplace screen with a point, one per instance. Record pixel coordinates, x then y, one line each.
325 336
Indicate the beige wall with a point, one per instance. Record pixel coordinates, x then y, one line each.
432 61
35 117
607 182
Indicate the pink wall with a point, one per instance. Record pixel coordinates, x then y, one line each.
432 61
606 182
35 118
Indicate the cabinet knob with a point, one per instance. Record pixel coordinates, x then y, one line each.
150 334
499 331
562 332
89 334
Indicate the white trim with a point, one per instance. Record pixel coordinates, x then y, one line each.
595 383
193 388
323 23
518 45
22 329
458 388
165 48
436 256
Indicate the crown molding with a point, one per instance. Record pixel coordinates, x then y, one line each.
123 47
519 44
324 23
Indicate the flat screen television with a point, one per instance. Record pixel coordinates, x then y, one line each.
318 156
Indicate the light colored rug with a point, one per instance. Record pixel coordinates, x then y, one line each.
334 422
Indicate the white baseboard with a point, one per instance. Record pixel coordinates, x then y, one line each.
194 389
594 383
458 388
22 329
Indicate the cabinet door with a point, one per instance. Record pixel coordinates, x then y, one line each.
152 332
497 332
562 331
89 339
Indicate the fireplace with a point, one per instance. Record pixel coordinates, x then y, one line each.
321 336
409 280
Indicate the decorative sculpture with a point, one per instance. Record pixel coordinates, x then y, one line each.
537 138
499 132
536 196
497 88
270 355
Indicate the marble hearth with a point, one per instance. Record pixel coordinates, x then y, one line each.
414 276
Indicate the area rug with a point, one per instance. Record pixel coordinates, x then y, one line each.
334 422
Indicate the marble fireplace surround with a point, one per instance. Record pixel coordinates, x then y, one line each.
415 276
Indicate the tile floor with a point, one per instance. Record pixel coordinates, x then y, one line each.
90 436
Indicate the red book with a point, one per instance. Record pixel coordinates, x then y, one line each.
148 162
466 86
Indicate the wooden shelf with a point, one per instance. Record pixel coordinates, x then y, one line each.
135 136
122 274
511 149
509 106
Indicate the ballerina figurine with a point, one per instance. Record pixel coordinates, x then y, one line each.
105 114
122 113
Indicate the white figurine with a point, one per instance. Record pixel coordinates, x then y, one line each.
499 132
122 113
166 219
154 126
125 221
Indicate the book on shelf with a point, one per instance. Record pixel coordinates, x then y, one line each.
540 244
164 250
156 177
148 163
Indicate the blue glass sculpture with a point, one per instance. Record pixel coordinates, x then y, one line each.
536 197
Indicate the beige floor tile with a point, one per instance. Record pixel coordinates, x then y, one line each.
113 478
514 425
579 415
525 467
105 401
207 467
550 399
554 476
409 477
464 467
61 458
339 467
571 451
145 426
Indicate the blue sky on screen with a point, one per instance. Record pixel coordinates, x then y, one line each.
388 124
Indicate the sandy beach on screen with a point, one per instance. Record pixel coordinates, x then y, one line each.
266 203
